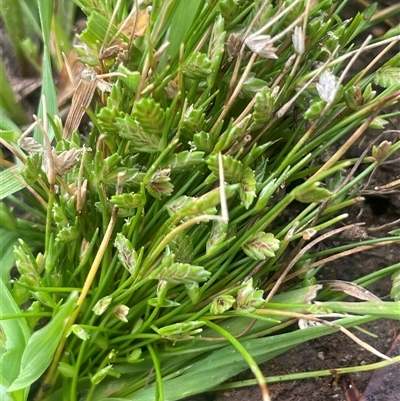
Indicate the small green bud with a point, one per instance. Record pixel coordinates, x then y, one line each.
381 152
248 298
66 369
40 262
79 332
30 279
107 117
102 305
67 234
182 247
229 9
184 160
203 141
353 97
253 85
128 201
378 123
183 273
141 141
193 291
233 169
193 121
265 195
44 298
33 167
232 134
126 254
165 303
247 189
311 193
315 110
20 294
179 329
101 374
134 356
368 94
264 105
221 304
217 236
197 66
24 259
150 115
159 184
261 245
190 206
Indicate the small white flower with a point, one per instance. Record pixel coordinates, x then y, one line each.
102 305
298 40
327 86
262 45
121 311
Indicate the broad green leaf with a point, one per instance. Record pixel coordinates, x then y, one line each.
42 345
7 258
16 333
11 181
96 29
3 391
9 135
224 363
6 123
177 25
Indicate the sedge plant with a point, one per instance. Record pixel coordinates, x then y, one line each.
159 246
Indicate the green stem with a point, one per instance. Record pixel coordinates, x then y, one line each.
248 358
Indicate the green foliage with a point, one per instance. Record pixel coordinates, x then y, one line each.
34 363
261 245
160 243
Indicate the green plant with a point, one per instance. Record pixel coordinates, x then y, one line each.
173 219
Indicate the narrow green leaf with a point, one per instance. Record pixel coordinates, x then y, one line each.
16 333
226 362
7 258
11 181
42 345
48 86
177 26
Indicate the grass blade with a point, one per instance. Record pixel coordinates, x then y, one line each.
41 346
48 86
16 333
11 182
225 363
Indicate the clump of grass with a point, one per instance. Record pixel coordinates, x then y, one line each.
166 246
